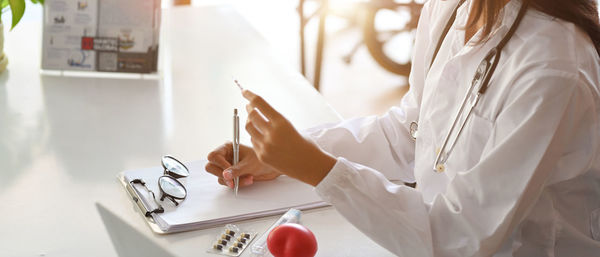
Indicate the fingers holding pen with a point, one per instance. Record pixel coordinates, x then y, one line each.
222 156
219 159
214 169
231 173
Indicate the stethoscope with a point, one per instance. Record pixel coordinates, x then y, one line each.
479 85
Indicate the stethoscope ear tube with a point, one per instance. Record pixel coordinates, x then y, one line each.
491 59
445 32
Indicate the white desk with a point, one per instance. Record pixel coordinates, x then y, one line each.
64 139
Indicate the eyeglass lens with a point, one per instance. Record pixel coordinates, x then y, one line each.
174 167
171 187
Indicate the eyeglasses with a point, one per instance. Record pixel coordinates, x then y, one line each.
168 184
170 188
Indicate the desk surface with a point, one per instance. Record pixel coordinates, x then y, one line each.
64 139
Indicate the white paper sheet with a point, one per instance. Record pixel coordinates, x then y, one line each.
209 204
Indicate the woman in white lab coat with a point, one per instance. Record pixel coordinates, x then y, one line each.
523 177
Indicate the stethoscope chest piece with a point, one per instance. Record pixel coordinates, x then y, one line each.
414 130
440 168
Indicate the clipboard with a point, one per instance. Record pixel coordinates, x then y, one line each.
143 207
210 204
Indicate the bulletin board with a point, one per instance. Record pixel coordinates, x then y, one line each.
101 35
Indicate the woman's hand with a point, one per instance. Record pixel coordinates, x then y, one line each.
277 143
249 168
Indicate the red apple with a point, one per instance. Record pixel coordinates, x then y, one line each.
292 240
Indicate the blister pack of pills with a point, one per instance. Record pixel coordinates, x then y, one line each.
231 241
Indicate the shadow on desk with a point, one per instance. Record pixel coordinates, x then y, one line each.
126 240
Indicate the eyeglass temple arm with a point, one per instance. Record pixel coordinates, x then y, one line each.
170 199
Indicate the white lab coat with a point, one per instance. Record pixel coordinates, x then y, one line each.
524 178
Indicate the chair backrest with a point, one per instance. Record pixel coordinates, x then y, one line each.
182 2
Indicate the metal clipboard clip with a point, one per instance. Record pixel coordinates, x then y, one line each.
140 200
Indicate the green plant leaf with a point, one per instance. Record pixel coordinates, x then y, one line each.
17 7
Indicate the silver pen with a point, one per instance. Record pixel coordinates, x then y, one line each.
236 147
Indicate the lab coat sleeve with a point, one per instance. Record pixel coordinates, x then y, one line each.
360 139
383 143
480 206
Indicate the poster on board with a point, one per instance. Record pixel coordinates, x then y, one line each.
101 35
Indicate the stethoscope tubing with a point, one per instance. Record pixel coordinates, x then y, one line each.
482 78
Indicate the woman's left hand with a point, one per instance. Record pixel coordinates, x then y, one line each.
278 144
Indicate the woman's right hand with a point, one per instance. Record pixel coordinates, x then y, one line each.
249 167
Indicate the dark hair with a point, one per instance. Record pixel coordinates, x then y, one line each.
582 13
